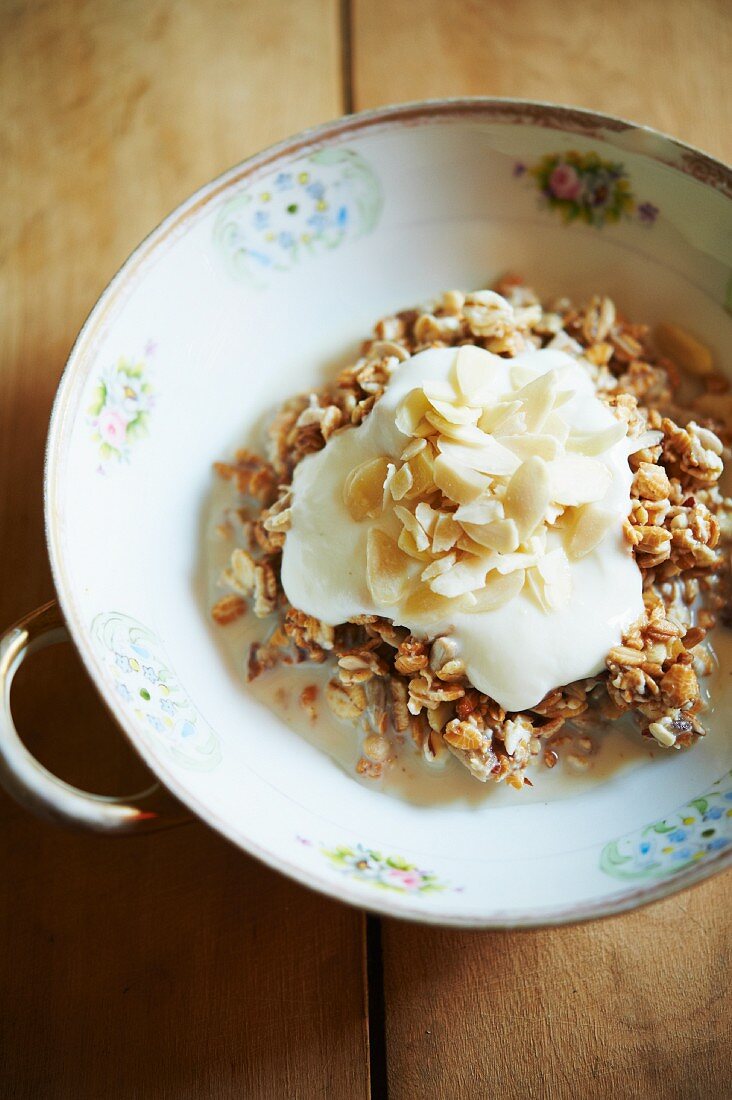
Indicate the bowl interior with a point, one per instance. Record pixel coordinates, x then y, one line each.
258 288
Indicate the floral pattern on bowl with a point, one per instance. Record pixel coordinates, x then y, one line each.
274 223
699 829
383 872
586 187
120 409
144 680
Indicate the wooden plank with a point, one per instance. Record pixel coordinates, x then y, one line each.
638 1005
166 966
662 62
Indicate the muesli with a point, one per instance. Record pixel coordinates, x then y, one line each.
498 495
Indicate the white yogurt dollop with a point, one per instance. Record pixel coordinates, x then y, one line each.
517 652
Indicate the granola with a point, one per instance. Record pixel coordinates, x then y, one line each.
679 524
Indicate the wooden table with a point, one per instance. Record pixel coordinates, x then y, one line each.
174 966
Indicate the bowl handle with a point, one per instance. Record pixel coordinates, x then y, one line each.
32 785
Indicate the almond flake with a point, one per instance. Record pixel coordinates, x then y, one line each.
426 517
406 542
436 568
491 458
484 510
454 414
459 483
401 482
595 443
496 416
421 468
475 374
524 446
555 573
425 605
576 479
538 399
509 563
409 522
464 577
435 390
592 524
363 490
446 533
386 568
645 439
501 535
528 495
497 591
411 411
413 449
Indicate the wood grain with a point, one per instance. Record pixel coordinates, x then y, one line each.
167 966
662 62
639 1005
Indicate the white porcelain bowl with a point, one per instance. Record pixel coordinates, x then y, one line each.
252 290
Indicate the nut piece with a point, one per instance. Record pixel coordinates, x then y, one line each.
591 526
528 495
345 700
363 490
386 568
228 609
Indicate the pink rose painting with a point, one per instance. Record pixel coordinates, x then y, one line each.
564 182
119 412
586 187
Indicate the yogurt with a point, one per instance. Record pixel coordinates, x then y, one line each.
537 467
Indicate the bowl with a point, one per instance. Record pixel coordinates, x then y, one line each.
255 288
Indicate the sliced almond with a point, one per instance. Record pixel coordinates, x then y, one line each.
407 544
386 568
437 567
556 575
495 415
426 517
409 522
413 449
576 479
411 411
491 458
446 533
592 524
484 510
466 576
422 469
424 605
524 446
497 591
509 563
459 483
684 349
451 428
475 372
401 482
437 390
363 491
596 443
528 495
651 438
537 399
501 535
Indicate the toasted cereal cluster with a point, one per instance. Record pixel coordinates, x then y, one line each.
395 684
